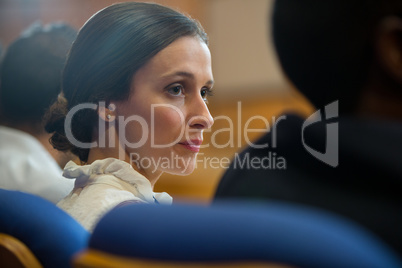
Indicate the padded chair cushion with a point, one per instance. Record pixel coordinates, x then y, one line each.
50 233
274 232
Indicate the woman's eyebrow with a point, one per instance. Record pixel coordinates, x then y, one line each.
185 74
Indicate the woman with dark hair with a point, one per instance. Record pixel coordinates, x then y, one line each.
133 106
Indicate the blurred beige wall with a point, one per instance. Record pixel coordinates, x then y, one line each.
245 68
240 41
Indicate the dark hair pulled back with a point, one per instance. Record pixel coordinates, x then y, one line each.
112 45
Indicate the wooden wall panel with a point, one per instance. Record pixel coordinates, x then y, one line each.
16 15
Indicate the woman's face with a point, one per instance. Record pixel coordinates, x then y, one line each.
166 113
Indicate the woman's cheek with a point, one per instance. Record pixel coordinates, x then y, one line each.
169 123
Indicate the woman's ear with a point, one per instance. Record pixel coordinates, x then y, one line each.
107 113
389 47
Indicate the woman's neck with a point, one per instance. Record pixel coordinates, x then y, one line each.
97 153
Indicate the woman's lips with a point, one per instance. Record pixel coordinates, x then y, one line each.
192 145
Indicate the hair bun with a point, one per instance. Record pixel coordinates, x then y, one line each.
54 123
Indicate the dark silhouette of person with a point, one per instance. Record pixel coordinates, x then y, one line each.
346 58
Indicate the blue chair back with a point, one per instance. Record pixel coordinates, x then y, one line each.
51 234
276 232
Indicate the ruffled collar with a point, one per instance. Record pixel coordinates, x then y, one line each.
118 168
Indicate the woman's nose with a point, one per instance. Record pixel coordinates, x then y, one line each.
199 116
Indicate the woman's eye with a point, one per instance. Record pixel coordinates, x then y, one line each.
176 90
205 92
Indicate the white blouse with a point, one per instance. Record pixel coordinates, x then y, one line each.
102 185
25 165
